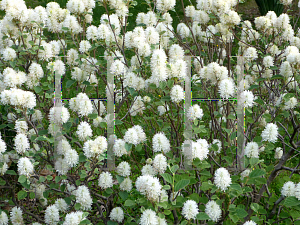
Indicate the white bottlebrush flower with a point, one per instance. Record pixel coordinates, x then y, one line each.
288 189
213 210
95 148
71 157
84 130
81 104
83 197
9 54
123 169
21 143
119 148
25 167
270 133
162 109
3 170
149 218
61 205
117 214
84 46
141 134
177 93
51 215
160 143
247 98
19 98
2 146
160 163
3 218
251 150
158 65
278 153
58 114
200 149
16 216
126 185
105 180
37 116
290 104
63 146
61 166
286 2
165 5
148 170
190 209
250 53
74 218
268 61
222 179
297 191
227 88
249 222
149 186
195 112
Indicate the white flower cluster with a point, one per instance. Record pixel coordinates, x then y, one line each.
51 215
18 98
149 217
251 150
81 104
190 209
105 180
213 210
288 189
123 169
119 147
160 143
3 218
84 131
12 78
59 114
74 218
16 216
160 163
138 106
177 93
83 197
135 135
95 148
149 186
126 185
222 179
195 149
270 133
117 214
278 153
25 167
195 112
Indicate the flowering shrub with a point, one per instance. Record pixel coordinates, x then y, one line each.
230 157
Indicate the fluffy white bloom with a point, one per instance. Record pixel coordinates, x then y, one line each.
84 46
230 18
83 197
3 170
74 218
57 66
227 88
25 167
149 218
290 104
84 130
270 133
61 205
251 150
126 185
132 136
213 210
138 106
51 215
183 30
286 69
61 166
21 143
222 179
160 163
176 52
3 218
250 53
149 186
105 180
245 173
72 57
190 209
21 126
247 98
118 68
117 214
148 170
160 143
162 109
158 65
288 189
177 93
81 104
58 114
63 147
165 5
71 157
268 61
16 216
250 222
9 54
152 36
219 144
123 169
12 78
94 148
119 148
92 33
278 153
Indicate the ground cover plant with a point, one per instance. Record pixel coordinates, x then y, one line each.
99 124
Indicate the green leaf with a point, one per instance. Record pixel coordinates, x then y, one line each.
22 194
202 216
11 172
32 195
129 202
77 206
118 122
291 201
70 83
174 168
93 116
181 184
82 157
123 195
254 207
167 178
111 223
120 179
37 89
241 213
194 197
22 179
257 173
